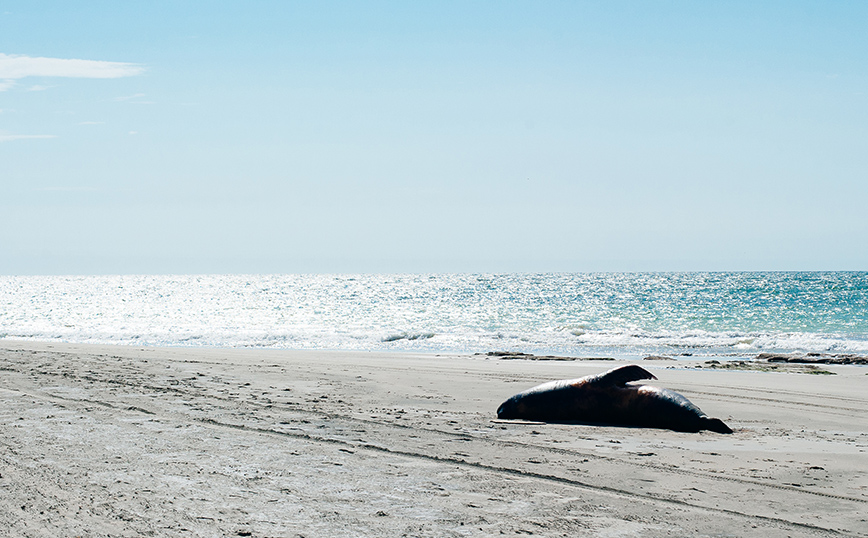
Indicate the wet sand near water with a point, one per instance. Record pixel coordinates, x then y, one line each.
126 441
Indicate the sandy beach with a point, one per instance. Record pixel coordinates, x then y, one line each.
127 441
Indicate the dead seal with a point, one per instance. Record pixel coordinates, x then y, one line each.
607 399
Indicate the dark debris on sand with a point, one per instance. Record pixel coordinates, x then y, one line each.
761 366
515 355
812 358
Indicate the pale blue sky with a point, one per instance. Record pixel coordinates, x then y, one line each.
286 137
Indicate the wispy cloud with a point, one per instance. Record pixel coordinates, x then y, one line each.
66 189
91 123
128 97
135 98
14 67
11 137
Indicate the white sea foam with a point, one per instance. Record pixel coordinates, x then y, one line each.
578 314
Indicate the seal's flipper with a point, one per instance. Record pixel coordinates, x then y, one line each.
715 425
623 375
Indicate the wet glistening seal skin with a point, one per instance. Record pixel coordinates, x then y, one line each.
607 399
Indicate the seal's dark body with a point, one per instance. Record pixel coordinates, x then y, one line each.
607 399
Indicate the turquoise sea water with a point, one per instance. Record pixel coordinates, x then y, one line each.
594 314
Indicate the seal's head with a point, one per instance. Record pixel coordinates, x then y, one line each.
508 410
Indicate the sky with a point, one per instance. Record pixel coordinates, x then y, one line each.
166 137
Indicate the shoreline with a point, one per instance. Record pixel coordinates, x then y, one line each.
105 440
632 355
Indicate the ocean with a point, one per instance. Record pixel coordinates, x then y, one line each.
620 315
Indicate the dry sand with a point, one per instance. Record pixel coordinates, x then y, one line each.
121 441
